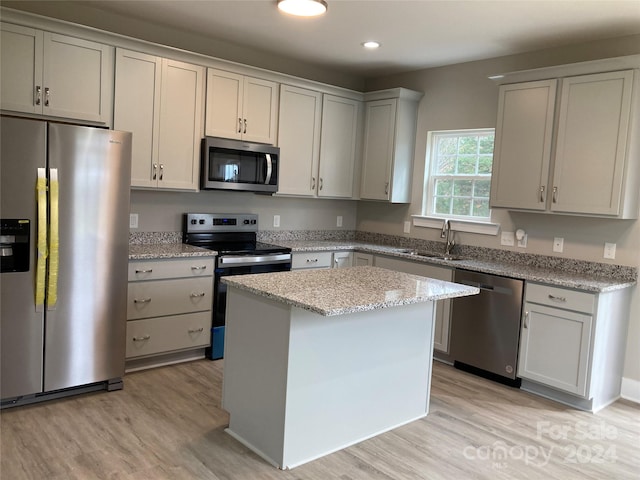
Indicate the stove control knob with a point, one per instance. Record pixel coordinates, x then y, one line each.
201 221
253 222
246 222
194 221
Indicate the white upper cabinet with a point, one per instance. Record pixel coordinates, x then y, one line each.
299 140
55 75
570 153
160 101
338 146
389 144
241 107
592 144
318 137
523 145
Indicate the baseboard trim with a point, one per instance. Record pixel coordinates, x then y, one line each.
630 390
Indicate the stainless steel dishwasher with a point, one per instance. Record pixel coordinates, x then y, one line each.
485 328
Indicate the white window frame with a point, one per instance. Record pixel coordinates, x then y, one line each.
430 177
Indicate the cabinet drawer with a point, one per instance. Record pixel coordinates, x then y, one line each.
169 297
560 298
178 268
311 260
165 334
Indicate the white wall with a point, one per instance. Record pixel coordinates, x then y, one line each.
461 96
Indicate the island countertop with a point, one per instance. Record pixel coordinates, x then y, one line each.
340 291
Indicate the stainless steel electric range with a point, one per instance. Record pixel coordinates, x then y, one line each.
234 237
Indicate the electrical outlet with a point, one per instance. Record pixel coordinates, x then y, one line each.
522 243
407 227
610 250
276 220
133 220
558 244
508 239
339 221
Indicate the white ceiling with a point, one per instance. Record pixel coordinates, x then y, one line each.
414 34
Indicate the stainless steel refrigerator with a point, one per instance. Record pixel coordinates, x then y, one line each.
64 205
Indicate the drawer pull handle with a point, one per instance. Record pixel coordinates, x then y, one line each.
526 319
145 271
557 299
201 267
196 295
196 330
144 300
312 260
141 339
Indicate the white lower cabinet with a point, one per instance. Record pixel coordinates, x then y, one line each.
304 260
168 310
342 259
443 307
362 259
572 344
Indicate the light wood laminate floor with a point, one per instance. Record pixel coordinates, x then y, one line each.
167 424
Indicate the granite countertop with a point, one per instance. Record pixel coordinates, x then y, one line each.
578 277
167 250
340 291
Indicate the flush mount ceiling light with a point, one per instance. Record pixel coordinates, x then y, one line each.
303 8
371 45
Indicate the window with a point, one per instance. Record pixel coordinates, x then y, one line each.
459 176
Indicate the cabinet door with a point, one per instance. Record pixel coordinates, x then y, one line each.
342 259
136 109
592 141
180 133
77 78
554 348
338 146
224 104
523 145
299 140
380 125
362 259
21 69
259 106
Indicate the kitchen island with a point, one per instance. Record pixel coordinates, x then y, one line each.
319 360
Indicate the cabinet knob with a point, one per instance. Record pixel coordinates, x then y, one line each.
245 126
386 188
143 300
320 183
555 194
239 125
195 330
313 183
145 271
141 339
197 295
38 94
155 171
46 96
201 267
557 299
542 187
526 319
161 171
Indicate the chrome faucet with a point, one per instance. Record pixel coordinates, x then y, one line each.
448 235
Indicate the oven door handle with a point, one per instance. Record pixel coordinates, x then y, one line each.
255 260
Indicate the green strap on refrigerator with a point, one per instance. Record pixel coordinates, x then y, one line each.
41 261
54 241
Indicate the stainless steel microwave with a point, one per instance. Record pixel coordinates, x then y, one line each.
237 165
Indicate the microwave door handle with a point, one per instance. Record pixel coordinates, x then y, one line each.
269 168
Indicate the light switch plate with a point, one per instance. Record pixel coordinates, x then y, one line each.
133 220
609 250
508 239
558 244
339 221
276 220
407 227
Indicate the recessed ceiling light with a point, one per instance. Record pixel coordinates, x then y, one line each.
303 8
371 45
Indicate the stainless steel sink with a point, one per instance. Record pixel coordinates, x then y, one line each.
436 256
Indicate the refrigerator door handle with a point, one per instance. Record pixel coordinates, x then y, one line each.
54 240
41 261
